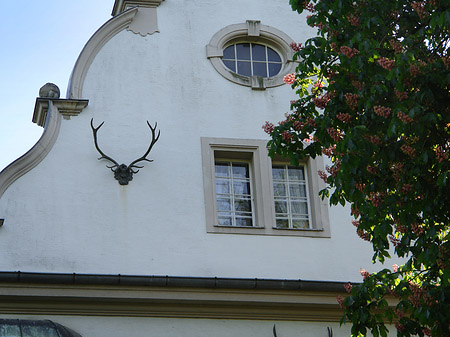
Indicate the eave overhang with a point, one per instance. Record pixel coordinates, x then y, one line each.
122 5
168 296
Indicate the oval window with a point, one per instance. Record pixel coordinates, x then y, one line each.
252 59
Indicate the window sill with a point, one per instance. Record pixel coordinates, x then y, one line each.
249 227
300 229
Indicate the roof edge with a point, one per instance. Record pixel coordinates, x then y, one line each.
122 5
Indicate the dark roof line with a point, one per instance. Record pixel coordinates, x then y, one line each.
171 281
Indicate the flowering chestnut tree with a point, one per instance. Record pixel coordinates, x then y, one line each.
373 89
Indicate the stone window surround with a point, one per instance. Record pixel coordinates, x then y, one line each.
251 31
255 151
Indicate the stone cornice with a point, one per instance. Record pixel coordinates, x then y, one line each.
122 5
66 107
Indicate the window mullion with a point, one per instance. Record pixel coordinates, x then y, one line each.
233 210
288 193
236 58
251 59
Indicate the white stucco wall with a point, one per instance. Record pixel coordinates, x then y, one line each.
69 214
144 326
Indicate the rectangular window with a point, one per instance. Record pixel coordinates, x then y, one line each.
233 194
290 197
247 193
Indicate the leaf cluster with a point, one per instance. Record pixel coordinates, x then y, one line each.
373 95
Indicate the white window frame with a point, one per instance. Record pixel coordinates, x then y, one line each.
231 179
255 152
251 31
308 203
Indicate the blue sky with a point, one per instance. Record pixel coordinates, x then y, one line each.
40 42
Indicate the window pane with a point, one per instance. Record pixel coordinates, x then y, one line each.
273 55
259 69
233 194
222 186
228 53
244 68
279 189
258 52
241 187
278 173
230 65
281 206
296 174
222 169
7 330
274 69
38 331
243 51
244 222
225 221
243 205
293 206
240 170
299 207
223 204
300 223
297 190
282 223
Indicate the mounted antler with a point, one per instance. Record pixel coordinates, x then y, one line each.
154 140
122 172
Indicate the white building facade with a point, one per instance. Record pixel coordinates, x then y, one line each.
211 238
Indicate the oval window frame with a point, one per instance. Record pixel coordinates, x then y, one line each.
254 61
253 32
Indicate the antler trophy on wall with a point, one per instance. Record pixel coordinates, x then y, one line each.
123 173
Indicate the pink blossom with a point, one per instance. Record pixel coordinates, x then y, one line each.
382 111
408 150
364 273
349 52
287 136
268 127
395 268
323 176
340 300
441 153
386 63
296 47
289 78
401 95
394 240
337 135
318 85
404 117
353 20
419 7
363 235
348 287
344 117
309 139
351 100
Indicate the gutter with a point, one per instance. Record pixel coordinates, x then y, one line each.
171 281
